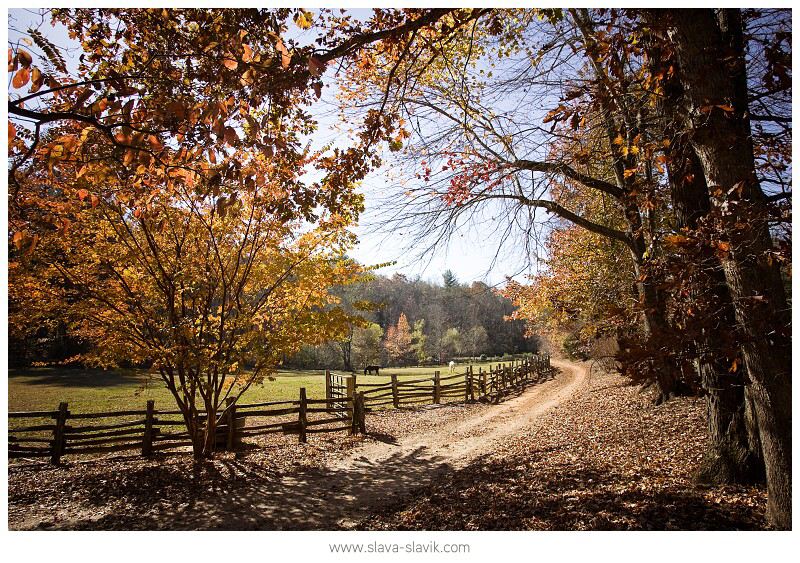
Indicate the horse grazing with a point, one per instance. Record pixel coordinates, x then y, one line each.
452 365
369 369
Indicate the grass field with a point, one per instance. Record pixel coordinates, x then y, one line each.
98 390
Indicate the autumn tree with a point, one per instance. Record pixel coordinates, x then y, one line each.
473 159
398 341
615 126
586 290
163 197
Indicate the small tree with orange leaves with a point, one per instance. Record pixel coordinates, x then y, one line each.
398 341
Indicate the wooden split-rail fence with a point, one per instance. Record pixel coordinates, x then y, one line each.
470 385
59 433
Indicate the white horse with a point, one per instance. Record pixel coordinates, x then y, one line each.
452 365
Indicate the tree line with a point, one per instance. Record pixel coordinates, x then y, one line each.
417 322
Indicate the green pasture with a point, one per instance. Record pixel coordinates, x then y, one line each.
123 389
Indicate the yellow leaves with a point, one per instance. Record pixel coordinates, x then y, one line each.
36 79
678 240
22 239
304 19
727 108
56 152
553 113
82 97
629 172
155 143
618 140
722 246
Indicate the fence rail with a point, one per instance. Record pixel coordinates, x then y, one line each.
489 385
58 433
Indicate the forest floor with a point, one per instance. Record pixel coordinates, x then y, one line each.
574 452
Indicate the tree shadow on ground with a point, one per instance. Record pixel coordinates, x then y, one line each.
382 437
539 496
78 377
234 494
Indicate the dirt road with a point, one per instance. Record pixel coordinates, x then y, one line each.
378 471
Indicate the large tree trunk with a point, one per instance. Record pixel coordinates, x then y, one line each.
711 74
730 457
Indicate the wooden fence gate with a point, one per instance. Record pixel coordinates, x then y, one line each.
338 386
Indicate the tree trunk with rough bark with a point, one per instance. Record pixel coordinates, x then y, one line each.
712 74
731 457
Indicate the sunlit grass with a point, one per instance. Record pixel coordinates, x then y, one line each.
123 389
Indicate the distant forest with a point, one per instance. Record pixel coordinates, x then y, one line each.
406 322
416 322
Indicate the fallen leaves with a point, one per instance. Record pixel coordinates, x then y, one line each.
606 459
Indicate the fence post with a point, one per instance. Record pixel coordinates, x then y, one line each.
357 423
482 379
468 390
328 392
362 425
437 388
350 380
59 439
231 416
147 441
303 420
395 397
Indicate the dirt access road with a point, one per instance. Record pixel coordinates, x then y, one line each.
345 490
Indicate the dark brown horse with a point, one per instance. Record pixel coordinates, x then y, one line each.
369 369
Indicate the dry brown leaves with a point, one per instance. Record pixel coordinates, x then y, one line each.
607 459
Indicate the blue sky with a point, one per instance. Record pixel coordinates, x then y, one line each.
471 256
